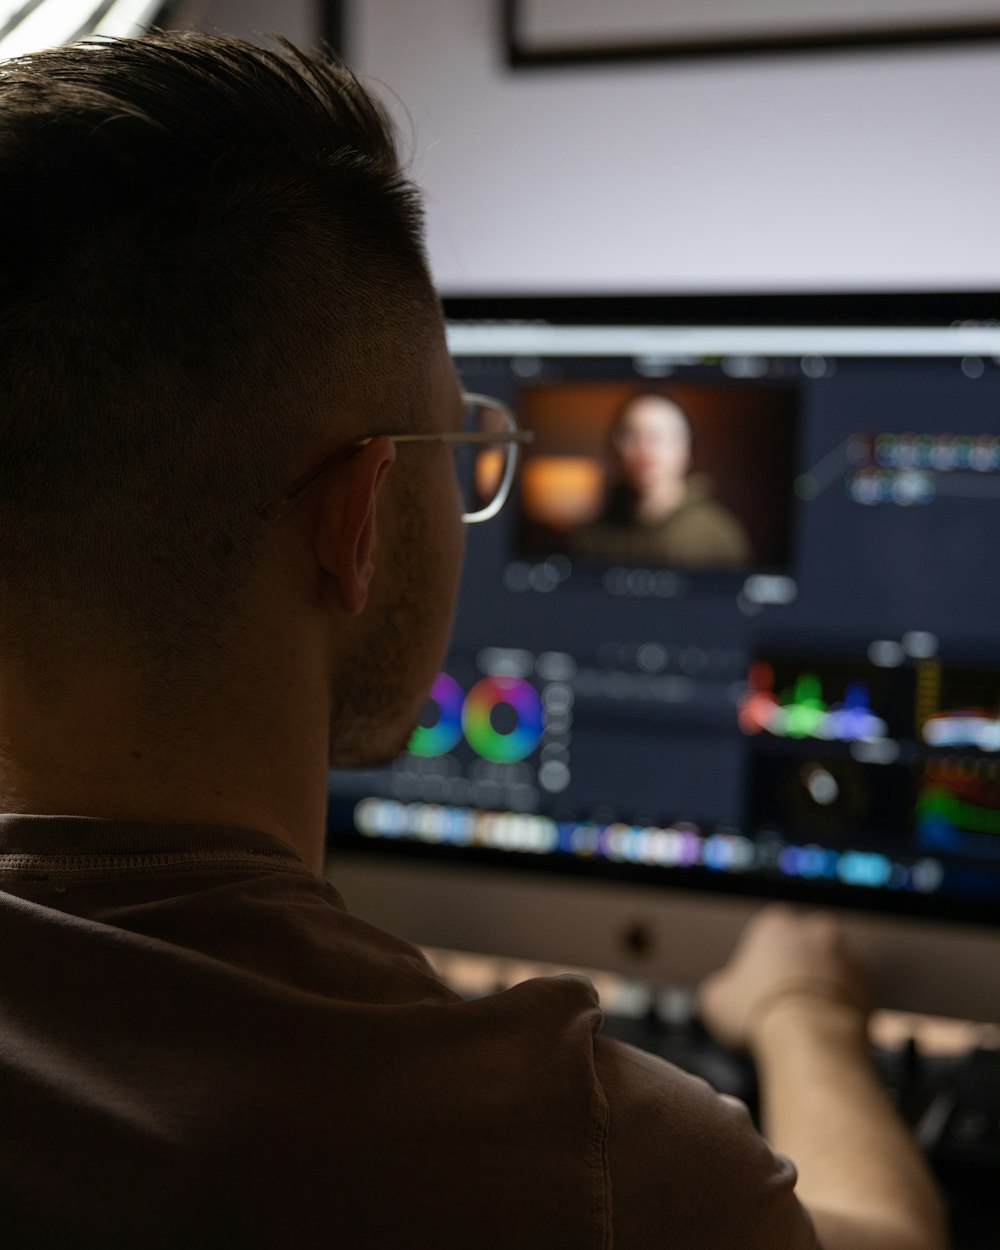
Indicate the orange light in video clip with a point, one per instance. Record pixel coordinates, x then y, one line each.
562 491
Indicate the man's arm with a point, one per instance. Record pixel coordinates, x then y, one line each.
794 997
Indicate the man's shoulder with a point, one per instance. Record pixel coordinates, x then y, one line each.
685 1158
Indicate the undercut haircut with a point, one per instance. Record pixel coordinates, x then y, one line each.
212 256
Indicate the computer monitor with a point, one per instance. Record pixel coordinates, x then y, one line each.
735 637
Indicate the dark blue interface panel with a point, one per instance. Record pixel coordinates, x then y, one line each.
738 626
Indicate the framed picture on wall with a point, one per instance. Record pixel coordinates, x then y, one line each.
554 32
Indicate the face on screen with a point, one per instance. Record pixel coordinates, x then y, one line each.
652 442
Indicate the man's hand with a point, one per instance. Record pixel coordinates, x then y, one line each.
781 955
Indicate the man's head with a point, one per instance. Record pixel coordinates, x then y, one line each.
214 271
651 441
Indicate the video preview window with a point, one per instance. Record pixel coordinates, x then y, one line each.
689 475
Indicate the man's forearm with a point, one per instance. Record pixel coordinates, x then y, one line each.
859 1172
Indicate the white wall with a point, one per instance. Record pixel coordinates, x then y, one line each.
834 171
298 20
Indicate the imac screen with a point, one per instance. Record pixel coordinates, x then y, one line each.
736 628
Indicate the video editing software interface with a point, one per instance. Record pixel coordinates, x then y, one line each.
738 626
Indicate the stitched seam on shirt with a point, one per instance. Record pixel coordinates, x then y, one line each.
602 1165
19 865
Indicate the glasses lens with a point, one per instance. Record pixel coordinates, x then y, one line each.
482 465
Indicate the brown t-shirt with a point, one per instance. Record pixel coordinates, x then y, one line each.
199 1046
700 533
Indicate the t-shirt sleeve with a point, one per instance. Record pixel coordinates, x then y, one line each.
688 1169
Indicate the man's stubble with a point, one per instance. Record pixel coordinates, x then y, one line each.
376 699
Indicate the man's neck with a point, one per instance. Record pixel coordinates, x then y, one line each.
86 753
662 500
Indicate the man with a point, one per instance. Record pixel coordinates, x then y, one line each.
656 511
222 568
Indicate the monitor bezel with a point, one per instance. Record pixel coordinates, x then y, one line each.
831 308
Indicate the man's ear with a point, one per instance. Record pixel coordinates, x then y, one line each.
345 536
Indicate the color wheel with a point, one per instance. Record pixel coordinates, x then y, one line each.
439 738
484 738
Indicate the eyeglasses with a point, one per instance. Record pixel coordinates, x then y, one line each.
485 459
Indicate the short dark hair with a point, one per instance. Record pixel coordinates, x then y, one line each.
197 229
